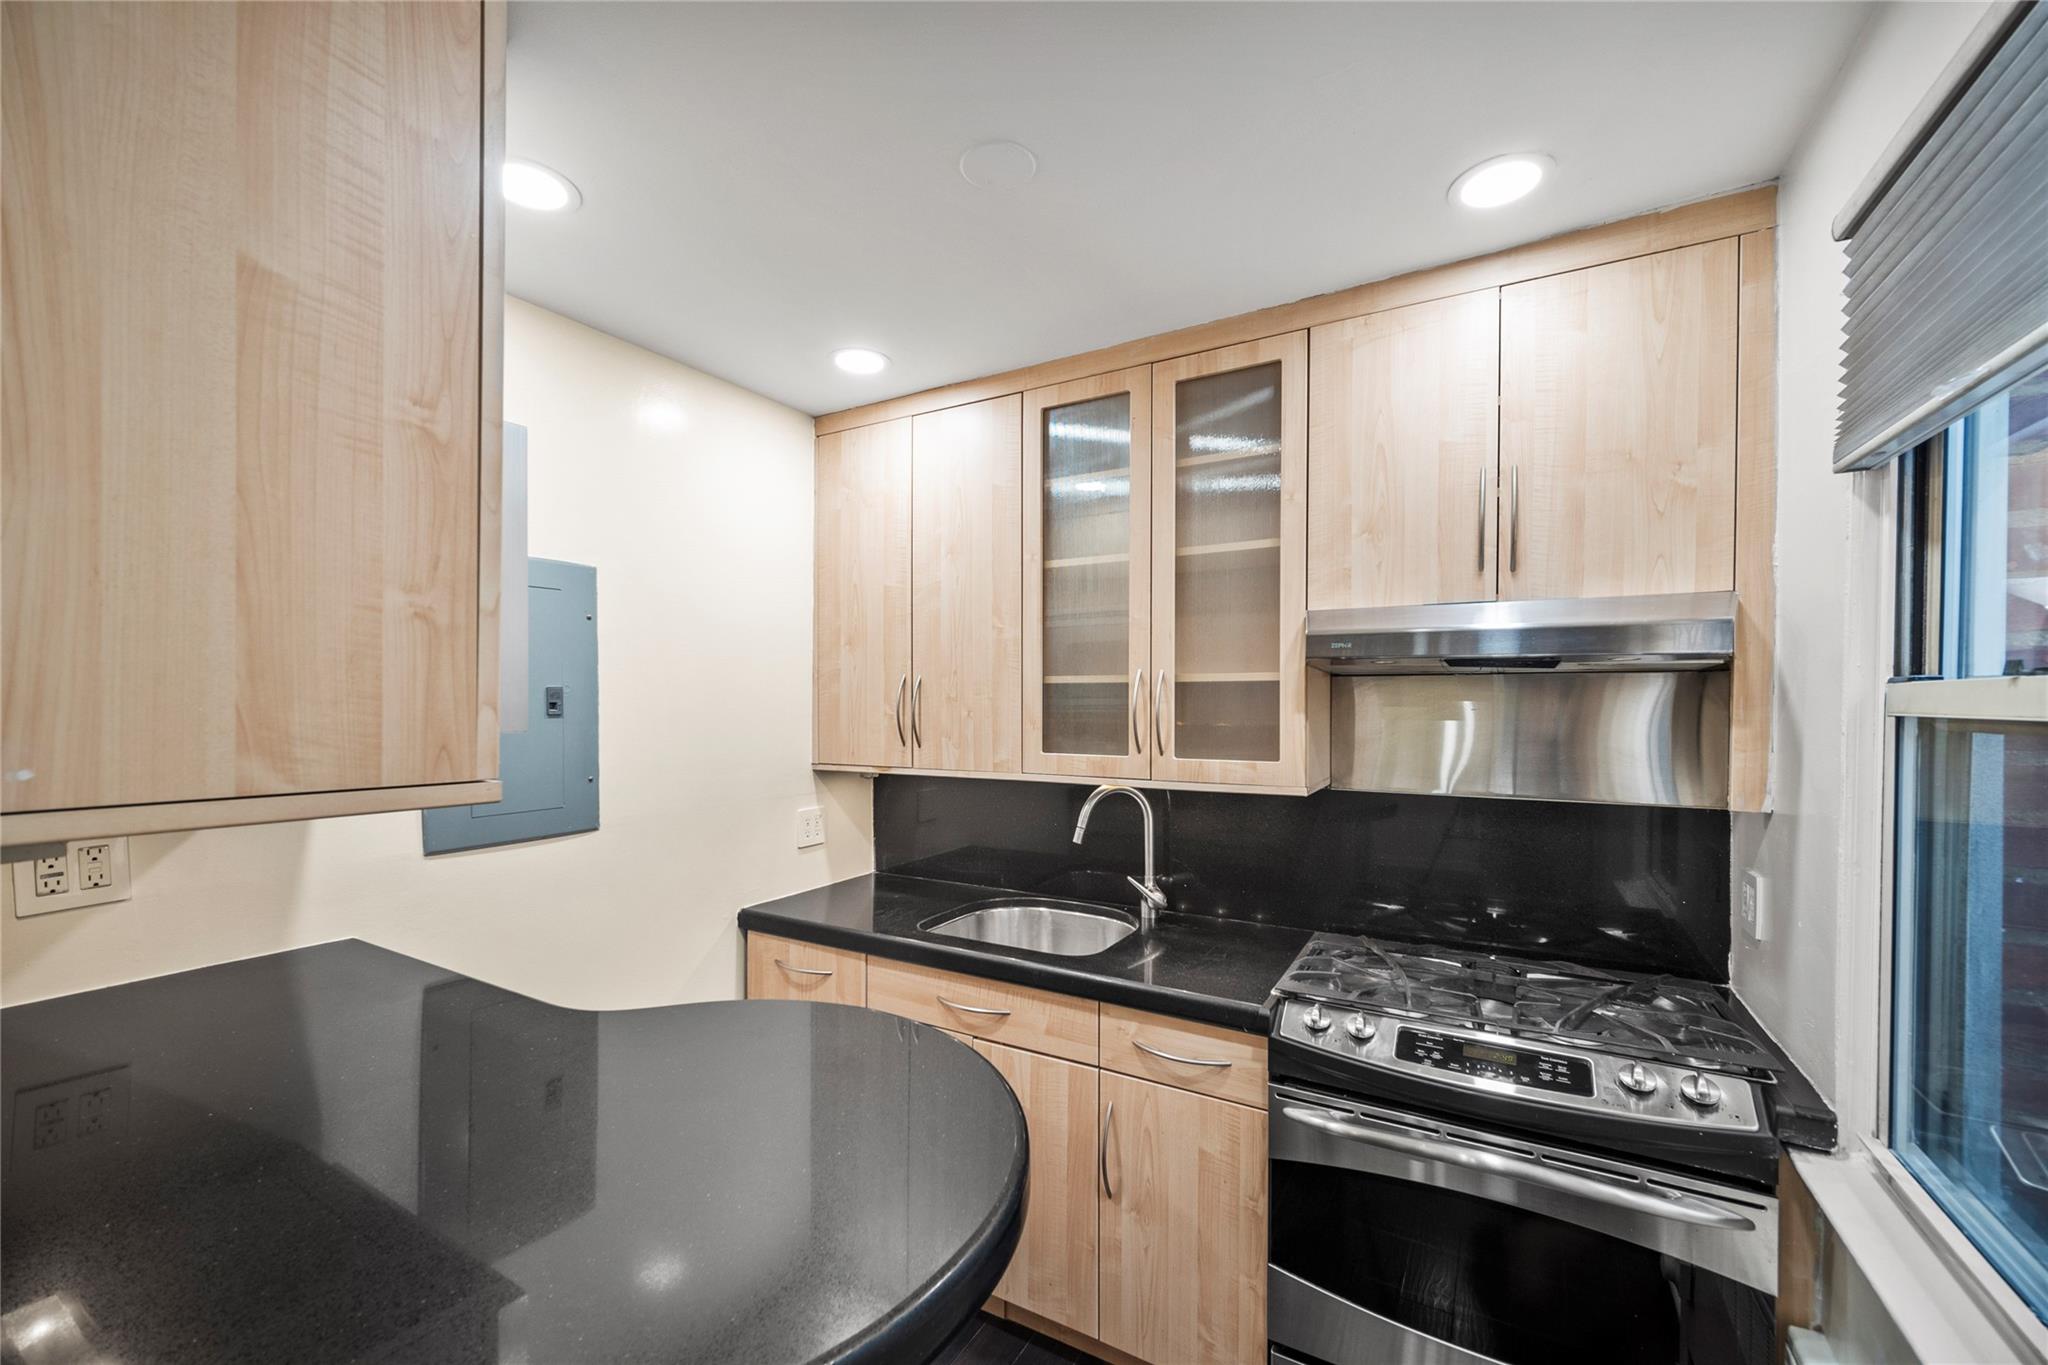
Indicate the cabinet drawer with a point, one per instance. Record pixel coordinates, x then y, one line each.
785 969
1223 1062
1038 1021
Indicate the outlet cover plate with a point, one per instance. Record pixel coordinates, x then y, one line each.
94 872
810 827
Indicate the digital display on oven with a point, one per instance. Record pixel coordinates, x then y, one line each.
1538 1070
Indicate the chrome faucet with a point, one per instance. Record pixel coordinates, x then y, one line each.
1151 900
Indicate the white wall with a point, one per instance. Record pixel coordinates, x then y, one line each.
702 540
1822 862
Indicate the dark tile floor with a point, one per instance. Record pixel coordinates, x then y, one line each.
985 1340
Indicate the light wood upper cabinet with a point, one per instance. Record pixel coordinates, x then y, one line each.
1618 427
861 619
1088 576
1183 1225
1234 702
1052 1272
251 412
966 588
1401 451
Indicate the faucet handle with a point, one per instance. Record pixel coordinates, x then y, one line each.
1154 897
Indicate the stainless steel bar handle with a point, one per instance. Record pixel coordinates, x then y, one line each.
971 1009
1158 735
1145 1047
1137 709
917 711
1515 519
803 971
902 682
1481 564
1671 1204
1102 1155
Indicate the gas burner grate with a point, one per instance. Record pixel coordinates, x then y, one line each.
1653 1017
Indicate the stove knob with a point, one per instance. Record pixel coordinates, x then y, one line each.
1360 1028
1636 1079
1315 1021
1699 1092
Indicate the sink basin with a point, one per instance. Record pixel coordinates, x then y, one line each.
1064 930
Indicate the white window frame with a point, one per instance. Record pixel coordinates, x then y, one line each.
1903 1242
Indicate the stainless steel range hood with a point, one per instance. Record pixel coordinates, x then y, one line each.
1660 633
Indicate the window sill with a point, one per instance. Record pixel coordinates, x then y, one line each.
1944 1297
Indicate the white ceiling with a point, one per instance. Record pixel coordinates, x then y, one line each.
764 183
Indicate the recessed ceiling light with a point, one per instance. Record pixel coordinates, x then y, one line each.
860 360
1502 180
998 165
533 186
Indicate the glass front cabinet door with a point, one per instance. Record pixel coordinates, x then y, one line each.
1087 576
1233 699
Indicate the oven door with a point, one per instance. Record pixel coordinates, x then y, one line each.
1398 1239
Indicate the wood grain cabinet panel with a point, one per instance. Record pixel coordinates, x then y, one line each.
247 251
1224 1062
1052 1273
1401 455
1039 1021
861 613
967 588
1618 406
790 969
1183 1225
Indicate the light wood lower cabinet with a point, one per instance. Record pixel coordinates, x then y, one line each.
1052 1273
1182 1275
786 969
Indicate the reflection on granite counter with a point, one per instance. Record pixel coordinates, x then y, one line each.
1195 966
340 1154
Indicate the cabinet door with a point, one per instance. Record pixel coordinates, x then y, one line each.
1052 1273
967 588
1183 1229
244 405
1087 576
1618 427
1229 564
860 693
1401 455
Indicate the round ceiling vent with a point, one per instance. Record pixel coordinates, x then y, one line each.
998 165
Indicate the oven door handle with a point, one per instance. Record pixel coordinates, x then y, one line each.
1657 1202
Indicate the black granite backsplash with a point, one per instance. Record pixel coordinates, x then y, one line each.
1640 888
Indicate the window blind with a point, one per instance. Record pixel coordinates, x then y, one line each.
1947 289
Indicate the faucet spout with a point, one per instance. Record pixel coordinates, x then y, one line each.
1151 900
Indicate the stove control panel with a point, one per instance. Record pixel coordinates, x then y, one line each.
1520 1068
1495 1061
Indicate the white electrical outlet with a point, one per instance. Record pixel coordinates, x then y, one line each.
90 872
810 827
1754 903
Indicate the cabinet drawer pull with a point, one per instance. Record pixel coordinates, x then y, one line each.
803 971
902 682
1102 1157
971 1009
1137 709
1142 1046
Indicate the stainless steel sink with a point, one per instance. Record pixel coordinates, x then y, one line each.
1064 930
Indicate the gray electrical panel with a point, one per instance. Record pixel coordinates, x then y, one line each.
549 769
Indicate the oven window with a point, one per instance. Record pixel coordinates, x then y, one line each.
1514 1286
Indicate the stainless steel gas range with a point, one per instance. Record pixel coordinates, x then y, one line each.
1486 1159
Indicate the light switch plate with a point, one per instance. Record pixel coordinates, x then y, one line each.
1755 905
91 872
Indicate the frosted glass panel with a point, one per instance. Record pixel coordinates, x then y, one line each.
1226 679
1087 521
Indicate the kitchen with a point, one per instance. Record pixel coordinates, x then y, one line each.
1104 807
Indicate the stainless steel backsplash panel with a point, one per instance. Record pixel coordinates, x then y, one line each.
1653 739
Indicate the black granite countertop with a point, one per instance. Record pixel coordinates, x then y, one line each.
343 1154
1194 966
